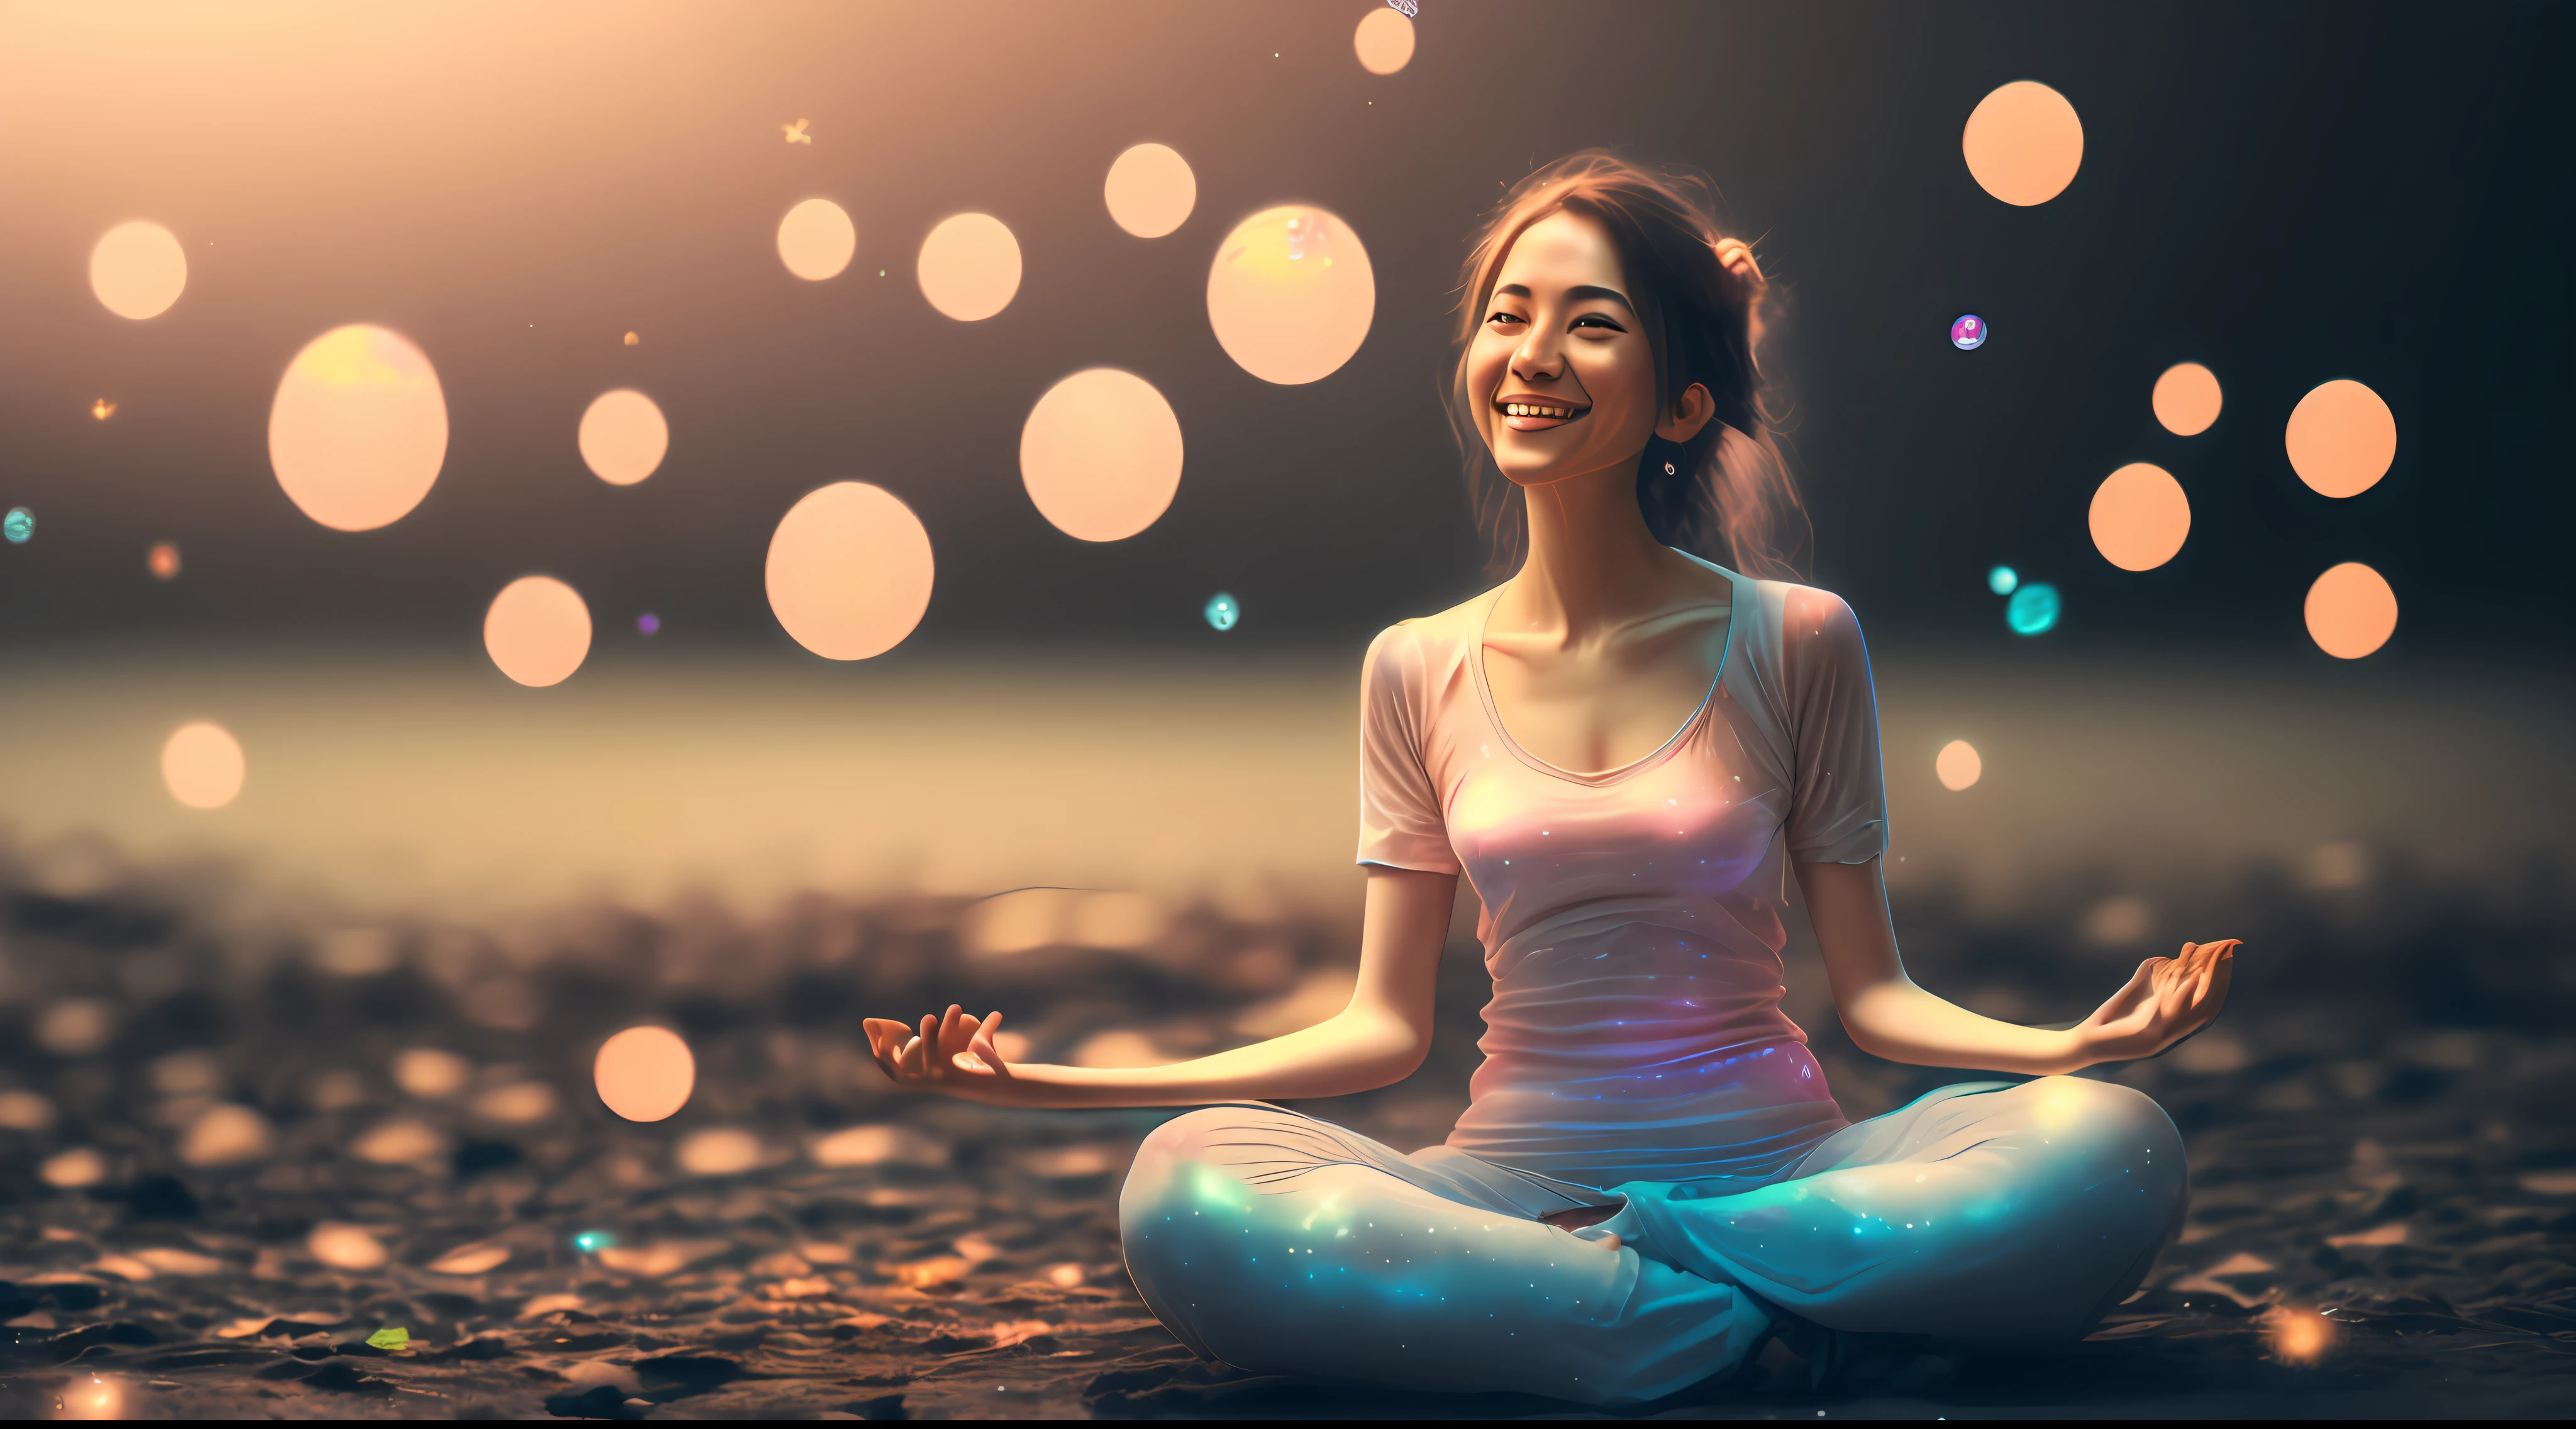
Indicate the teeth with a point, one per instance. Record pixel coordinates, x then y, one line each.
1525 409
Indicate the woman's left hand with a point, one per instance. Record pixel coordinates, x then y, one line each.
2167 1000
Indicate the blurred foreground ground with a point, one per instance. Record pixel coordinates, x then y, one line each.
267 1089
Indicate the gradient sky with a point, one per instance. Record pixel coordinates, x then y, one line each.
2285 193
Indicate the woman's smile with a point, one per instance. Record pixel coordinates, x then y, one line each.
1529 412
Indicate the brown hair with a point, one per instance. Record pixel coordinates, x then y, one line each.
1728 496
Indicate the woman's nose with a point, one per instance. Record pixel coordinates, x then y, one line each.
1538 359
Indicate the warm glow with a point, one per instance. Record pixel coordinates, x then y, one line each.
2342 438
1384 41
538 630
816 240
2186 399
163 562
2139 517
1291 294
2351 611
92 1396
138 270
102 409
359 428
1957 765
1151 190
2024 143
2299 1336
1101 454
645 1073
202 763
849 571
623 437
970 267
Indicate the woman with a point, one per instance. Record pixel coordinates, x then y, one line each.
1619 746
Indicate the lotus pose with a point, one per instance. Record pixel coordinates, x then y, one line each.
1622 747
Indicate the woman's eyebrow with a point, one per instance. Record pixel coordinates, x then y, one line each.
1579 293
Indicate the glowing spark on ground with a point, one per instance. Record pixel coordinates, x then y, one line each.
796 133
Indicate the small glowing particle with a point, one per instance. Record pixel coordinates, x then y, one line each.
1968 333
1222 611
2032 610
633 341
592 1242
391 1337
649 623
796 133
102 409
18 525
163 562
2002 579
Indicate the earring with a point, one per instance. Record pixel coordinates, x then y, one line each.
1668 469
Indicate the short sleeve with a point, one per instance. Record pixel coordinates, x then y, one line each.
1400 821
1838 804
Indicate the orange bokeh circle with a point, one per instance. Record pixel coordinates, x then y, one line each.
816 240
358 430
2351 611
2341 438
645 1073
138 270
1958 765
2139 517
2186 399
970 266
537 631
1383 41
849 571
623 437
1291 294
202 765
1101 454
2023 143
1150 190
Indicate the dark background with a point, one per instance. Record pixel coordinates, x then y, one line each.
2286 193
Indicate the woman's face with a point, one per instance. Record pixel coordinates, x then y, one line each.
1560 371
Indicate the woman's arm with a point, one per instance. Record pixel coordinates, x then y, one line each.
1379 1038
1888 1016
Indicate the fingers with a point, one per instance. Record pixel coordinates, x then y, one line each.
984 1049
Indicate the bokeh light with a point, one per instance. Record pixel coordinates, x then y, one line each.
1151 190
2023 143
2351 611
537 630
623 437
969 267
2140 517
648 624
2033 609
203 766
849 571
1291 294
2002 579
2187 399
96 1396
162 561
816 240
1968 332
2299 1337
2341 438
102 409
1957 765
359 428
1222 612
1101 454
592 1242
1384 41
18 525
138 270
645 1073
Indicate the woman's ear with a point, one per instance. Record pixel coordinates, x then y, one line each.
1687 415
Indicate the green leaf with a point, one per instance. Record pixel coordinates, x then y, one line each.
392 1337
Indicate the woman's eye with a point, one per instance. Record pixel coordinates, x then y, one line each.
1499 318
1595 320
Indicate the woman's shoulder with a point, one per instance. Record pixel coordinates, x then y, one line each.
1793 609
1439 632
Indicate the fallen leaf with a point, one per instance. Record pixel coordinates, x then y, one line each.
470 1259
547 1305
243 1329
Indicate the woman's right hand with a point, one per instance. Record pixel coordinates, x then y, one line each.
954 1053
2167 1000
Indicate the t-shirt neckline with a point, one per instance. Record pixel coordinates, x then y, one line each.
1494 714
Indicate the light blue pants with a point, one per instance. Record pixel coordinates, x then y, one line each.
1987 1213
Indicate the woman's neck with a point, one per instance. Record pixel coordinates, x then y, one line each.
1593 564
